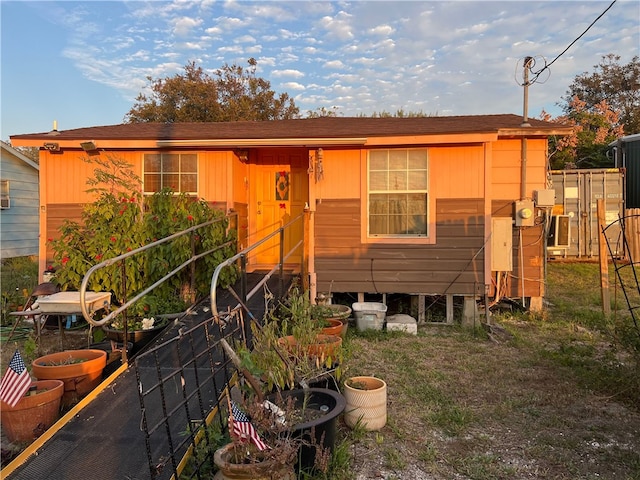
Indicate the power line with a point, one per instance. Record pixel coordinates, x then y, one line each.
547 65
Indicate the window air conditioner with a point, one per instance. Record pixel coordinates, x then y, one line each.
559 235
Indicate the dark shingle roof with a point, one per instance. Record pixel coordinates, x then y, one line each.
333 127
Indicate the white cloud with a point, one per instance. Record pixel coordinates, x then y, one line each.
334 64
293 86
287 73
458 57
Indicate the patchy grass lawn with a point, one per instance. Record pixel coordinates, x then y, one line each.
553 398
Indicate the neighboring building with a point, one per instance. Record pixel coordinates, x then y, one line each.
19 205
452 206
626 154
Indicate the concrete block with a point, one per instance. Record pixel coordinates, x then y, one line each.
403 323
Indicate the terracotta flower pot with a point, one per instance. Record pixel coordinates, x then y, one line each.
258 470
80 370
34 413
334 327
325 345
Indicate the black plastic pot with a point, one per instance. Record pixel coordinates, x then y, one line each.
323 429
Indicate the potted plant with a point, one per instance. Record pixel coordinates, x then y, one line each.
366 402
334 317
34 413
145 320
290 350
79 370
278 430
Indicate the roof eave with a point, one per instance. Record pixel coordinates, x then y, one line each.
263 142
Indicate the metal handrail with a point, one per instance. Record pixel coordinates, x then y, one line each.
85 280
242 256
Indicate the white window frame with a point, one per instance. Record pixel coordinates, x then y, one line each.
428 236
162 173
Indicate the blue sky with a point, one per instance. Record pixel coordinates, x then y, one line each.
83 63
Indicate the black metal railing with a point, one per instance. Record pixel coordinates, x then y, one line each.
180 384
182 381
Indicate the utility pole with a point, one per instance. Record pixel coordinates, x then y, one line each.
525 107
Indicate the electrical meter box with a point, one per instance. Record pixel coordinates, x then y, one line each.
524 213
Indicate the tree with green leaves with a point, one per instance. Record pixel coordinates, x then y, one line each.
232 93
593 130
616 84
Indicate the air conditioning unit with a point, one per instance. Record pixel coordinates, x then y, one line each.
559 233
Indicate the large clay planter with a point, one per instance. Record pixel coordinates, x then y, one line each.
34 413
341 312
366 402
265 470
325 346
79 377
334 327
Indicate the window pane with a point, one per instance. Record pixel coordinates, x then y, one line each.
189 183
378 181
398 180
378 204
189 163
171 162
417 159
398 160
152 162
418 180
152 182
378 160
417 204
172 181
417 225
378 225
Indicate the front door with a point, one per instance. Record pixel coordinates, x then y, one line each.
280 190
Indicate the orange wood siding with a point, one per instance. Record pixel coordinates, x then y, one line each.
507 162
344 264
342 174
56 215
456 172
215 177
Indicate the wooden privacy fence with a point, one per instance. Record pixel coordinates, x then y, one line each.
632 227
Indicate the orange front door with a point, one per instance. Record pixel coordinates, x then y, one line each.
279 191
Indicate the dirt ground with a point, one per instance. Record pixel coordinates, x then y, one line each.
470 408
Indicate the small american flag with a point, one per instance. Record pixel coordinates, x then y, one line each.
243 429
15 382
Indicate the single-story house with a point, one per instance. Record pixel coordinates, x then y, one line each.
19 204
429 206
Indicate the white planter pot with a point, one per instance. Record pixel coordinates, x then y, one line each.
366 402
